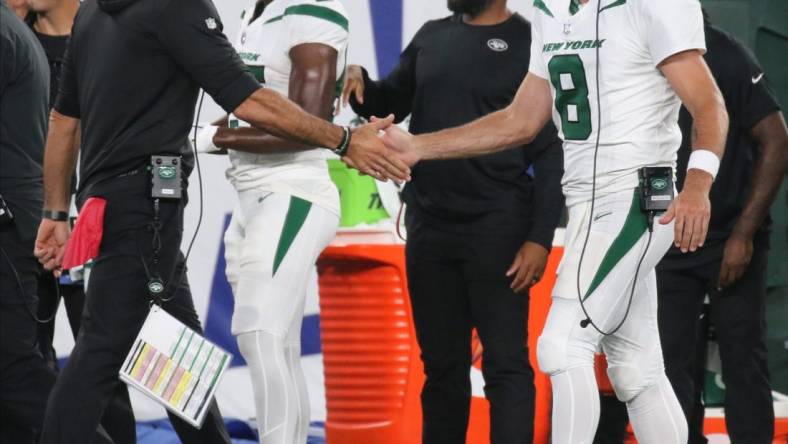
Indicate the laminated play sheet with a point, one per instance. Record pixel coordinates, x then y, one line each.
175 366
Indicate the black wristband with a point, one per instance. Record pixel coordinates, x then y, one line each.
57 216
344 145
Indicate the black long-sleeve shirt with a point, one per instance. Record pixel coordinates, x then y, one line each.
132 72
453 73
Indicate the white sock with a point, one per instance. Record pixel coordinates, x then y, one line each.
575 406
275 395
656 415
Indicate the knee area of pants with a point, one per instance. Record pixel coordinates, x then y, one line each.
629 381
551 353
502 358
252 343
448 361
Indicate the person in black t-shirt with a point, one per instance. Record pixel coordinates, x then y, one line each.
51 22
731 266
25 380
479 230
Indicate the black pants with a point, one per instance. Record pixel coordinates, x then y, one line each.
118 416
457 283
116 306
738 315
25 379
613 420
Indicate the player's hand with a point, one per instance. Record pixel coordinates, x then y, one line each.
691 211
51 244
735 259
402 144
354 84
528 266
368 153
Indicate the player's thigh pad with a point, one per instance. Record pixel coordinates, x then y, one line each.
283 237
616 242
634 353
563 344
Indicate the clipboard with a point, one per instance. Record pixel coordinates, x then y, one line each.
175 366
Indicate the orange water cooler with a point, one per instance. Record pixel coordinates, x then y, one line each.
373 373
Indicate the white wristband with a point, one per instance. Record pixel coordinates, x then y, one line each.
205 139
704 160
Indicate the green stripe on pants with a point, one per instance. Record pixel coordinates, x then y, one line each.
296 216
634 226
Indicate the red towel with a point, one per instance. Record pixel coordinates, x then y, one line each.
86 238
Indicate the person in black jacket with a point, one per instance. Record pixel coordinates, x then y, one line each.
479 230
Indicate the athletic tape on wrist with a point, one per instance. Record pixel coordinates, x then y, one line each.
704 160
205 139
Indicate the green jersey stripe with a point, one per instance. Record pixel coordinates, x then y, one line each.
574 6
320 12
613 5
540 5
634 226
294 220
258 72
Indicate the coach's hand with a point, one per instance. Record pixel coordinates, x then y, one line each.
402 144
528 266
735 259
51 244
354 84
691 210
368 153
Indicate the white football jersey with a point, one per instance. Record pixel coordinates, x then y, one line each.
264 45
639 109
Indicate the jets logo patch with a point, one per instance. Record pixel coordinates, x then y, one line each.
497 45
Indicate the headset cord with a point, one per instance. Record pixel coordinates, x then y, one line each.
168 288
588 321
15 273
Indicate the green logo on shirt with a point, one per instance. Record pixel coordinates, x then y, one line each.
573 45
249 56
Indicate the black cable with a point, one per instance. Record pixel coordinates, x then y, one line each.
588 321
199 217
22 292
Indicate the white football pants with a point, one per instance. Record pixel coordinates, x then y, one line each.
616 244
271 245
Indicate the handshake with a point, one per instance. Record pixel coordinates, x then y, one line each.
382 150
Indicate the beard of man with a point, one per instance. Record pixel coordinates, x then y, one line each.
470 7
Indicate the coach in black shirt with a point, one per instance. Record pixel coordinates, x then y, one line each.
130 76
471 220
25 380
731 266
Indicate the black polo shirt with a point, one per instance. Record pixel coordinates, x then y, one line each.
749 99
450 74
24 93
132 72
